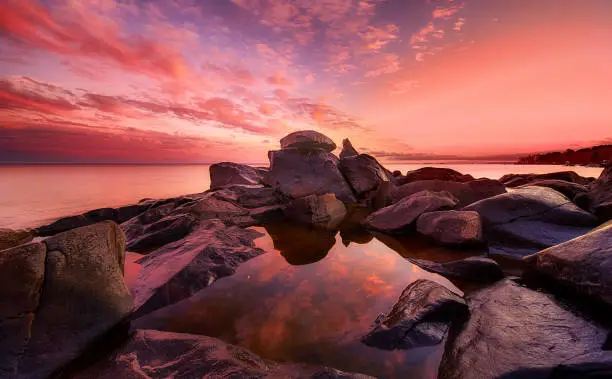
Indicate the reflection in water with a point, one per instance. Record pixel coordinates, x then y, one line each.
314 313
301 244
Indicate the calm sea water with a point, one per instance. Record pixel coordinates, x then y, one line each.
33 195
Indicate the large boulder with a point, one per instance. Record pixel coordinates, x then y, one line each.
600 195
530 219
323 211
400 216
83 296
10 238
515 332
434 173
22 270
228 173
347 149
453 228
569 189
308 140
296 173
420 317
583 264
179 269
156 354
471 269
363 173
515 180
466 193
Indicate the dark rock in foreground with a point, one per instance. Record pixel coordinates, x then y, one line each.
472 269
178 270
453 228
10 238
515 332
83 296
363 173
298 173
420 317
530 219
402 215
600 195
322 211
228 173
466 193
154 354
307 140
583 264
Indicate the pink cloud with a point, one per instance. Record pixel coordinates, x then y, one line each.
279 79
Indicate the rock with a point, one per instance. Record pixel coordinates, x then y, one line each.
515 180
530 219
569 189
514 329
421 314
307 140
454 228
352 229
401 215
466 193
228 173
83 296
209 207
10 238
63 224
363 173
396 173
129 211
249 196
472 269
169 229
323 211
179 269
597 365
298 173
300 244
600 195
434 173
347 149
156 354
583 264
22 271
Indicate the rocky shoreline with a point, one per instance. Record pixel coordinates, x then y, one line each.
63 293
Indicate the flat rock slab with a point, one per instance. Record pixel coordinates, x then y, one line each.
434 173
467 193
453 228
154 354
583 264
530 219
420 317
308 140
11 238
178 270
297 173
472 269
228 173
515 332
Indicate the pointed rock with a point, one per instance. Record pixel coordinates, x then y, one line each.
347 149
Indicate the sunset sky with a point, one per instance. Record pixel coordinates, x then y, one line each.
210 80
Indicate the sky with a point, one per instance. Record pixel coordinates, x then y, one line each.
187 81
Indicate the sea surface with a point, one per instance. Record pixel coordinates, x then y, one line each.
34 195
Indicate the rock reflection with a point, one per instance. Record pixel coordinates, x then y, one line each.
301 244
351 229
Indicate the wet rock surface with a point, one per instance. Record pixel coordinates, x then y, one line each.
156 354
472 269
421 317
515 332
529 219
453 228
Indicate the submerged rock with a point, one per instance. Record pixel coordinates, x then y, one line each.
466 193
298 173
156 354
347 149
472 269
420 317
600 195
178 270
454 228
515 332
434 173
229 173
83 296
402 215
363 173
530 219
308 140
583 264
10 238
323 211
